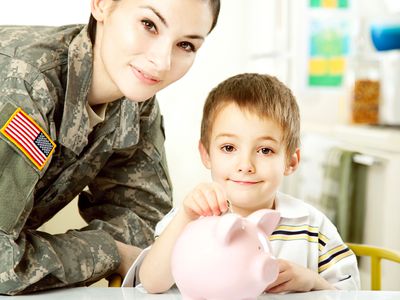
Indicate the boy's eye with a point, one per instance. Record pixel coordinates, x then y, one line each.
189 47
265 151
228 148
149 25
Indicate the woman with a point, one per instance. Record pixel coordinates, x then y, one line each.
77 109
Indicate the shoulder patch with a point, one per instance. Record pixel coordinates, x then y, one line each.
27 135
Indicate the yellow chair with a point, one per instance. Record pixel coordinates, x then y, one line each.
114 280
376 254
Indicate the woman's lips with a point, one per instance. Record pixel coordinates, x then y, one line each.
145 78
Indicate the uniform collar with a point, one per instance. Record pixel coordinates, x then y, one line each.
290 207
75 127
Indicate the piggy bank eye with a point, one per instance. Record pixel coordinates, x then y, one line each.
259 247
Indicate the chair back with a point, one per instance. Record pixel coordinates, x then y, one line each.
376 254
114 280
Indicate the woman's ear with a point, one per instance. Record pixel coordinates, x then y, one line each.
98 9
205 157
293 162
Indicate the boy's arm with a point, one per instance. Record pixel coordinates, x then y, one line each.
155 271
336 266
343 271
206 199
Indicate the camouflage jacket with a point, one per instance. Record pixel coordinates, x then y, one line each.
45 74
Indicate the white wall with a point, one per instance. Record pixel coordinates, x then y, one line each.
44 12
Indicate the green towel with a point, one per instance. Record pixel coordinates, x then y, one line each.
343 193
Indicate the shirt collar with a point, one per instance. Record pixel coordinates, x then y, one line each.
290 207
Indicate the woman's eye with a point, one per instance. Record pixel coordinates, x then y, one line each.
265 151
149 26
189 47
228 148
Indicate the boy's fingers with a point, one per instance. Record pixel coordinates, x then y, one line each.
196 208
202 202
279 282
221 199
212 200
283 287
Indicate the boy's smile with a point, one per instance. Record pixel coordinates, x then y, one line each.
241 182
247 156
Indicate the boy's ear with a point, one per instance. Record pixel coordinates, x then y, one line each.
98 9
293 162
205 157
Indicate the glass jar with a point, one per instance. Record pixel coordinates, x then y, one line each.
365 90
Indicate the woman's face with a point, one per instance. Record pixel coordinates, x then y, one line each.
142 46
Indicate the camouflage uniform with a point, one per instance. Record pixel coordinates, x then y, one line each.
46 71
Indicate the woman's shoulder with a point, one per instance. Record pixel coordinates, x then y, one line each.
38 46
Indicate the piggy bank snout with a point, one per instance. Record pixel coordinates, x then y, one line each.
266 269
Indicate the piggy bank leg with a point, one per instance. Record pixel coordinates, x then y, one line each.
186 297
231 299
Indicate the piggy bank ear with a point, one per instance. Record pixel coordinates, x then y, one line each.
265 219
228 227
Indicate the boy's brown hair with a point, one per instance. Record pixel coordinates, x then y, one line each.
260 94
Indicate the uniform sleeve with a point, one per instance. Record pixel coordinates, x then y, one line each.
337 264
132 192
31 260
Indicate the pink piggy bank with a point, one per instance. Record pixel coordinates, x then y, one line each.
226 257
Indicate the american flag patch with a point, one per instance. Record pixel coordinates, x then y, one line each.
23 132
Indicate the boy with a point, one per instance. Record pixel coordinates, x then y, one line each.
250 135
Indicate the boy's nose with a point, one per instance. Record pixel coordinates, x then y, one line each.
246 166
248 170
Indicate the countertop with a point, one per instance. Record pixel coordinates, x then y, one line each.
89 293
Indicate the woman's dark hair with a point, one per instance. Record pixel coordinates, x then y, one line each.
214 4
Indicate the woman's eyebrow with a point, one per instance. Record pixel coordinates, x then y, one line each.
162 19
157 13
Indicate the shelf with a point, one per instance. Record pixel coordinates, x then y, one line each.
378 138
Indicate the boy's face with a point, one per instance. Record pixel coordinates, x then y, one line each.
247 156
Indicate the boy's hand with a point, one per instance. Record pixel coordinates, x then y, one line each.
207 199
295 278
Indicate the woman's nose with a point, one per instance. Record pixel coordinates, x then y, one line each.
160 56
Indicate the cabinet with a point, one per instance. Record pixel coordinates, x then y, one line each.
379 149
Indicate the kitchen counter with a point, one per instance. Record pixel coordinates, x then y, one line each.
89 293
